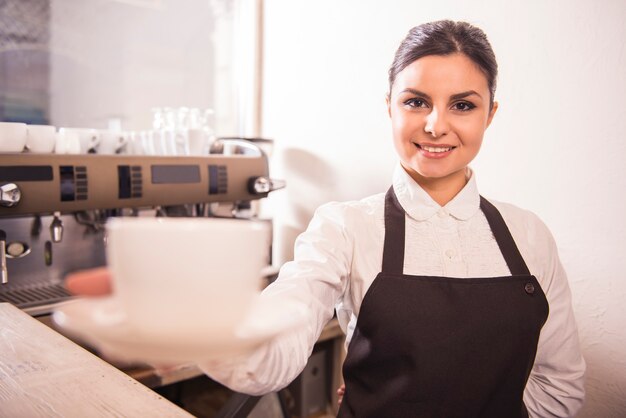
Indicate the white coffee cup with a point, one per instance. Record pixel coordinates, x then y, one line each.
180 142
67 142
184 276
40 138
198 142
135 146
12 136
169 143
112 142
159 142
88 138
147 143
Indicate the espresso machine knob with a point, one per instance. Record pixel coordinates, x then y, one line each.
263 185
10 194
259 185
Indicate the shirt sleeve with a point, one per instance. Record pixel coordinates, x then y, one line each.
556 384
317 277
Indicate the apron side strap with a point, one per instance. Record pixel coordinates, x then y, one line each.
503 237
393 253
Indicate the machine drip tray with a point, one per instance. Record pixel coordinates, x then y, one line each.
35 296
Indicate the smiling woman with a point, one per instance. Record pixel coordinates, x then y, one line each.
444 295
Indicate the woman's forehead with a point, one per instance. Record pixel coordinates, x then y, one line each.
442 74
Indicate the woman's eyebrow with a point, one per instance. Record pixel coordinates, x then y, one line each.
464 95
456 96
416 93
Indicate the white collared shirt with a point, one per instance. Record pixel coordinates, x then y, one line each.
340 254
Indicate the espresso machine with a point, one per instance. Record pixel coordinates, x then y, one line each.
53 207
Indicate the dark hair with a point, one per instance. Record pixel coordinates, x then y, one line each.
445 37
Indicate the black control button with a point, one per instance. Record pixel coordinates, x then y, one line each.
123 182
66 174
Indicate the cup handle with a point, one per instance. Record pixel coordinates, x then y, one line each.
122 141
93 144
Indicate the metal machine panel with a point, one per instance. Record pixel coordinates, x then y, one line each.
70 183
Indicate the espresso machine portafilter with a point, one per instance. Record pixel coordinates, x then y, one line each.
53 207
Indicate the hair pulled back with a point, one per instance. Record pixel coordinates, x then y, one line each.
445 37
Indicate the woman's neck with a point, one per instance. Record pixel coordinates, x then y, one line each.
442 189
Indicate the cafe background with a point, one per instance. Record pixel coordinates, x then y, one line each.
313 75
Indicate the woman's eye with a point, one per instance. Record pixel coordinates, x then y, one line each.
463 106
415 103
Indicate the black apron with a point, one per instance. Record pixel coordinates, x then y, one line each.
440 346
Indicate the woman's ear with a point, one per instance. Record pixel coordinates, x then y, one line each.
492 113
388 101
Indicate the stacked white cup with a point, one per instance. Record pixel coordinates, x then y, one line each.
12 136
112 142
181 131
76 141
40 139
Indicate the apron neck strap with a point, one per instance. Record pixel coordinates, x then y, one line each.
505 240
393 252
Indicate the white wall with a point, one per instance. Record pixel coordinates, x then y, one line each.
556 146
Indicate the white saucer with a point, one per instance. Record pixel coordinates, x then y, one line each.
102 323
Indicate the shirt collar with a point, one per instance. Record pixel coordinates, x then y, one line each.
420 206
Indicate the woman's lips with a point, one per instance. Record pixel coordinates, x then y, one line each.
434 151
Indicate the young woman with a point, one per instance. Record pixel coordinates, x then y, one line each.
453 306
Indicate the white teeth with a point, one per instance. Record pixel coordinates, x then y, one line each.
435 149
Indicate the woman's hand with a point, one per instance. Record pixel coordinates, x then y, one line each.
94 282
340 393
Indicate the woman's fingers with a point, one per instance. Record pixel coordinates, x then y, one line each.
95 282
340 393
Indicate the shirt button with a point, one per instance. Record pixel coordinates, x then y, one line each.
450 253
529 288
442 213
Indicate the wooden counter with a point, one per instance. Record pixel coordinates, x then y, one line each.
43 374
67 379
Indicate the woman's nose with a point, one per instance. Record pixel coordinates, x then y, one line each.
436 124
